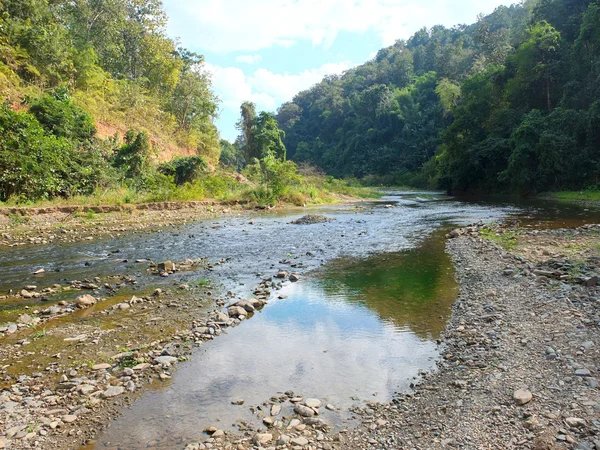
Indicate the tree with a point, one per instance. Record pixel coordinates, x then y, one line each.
247 127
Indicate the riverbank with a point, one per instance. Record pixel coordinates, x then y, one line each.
69 367
520 358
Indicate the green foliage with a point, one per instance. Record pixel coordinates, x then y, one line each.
57 113
37 164
274 177
231 155
184 169
119 63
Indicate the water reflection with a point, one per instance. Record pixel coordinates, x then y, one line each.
412 289
358 331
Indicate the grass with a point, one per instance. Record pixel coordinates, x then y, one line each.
587 195
507 239
220 186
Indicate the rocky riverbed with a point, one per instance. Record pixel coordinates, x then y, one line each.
519 367
518 359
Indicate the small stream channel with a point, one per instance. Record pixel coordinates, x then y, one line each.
361 323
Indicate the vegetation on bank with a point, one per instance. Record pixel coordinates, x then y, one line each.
95 96
508 104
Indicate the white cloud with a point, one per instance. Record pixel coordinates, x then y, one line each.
263 87
249 59
241 25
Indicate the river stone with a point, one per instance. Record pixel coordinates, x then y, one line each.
166 266
313 403
217 434
246 305
262 438
12 328
282 274
85 300
165 360
294 277
275 410
113 391
236 311
69 418
102 366
25 319
304 411
583 373
26 294
293 423
300 441
86 389
522 396
575 422
141 366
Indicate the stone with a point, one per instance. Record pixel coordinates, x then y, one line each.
313 403
583 372
113 391
522 397
166 266
236 311
25 319
275 410
162 360
12 328
330 407
69 418
575 422
282 274
26 294
283 439
293 423
85 300
300 441
262 438
217 434
141 366
304 411
294 277
102 366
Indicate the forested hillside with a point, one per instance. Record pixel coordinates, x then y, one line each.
94 95
511 102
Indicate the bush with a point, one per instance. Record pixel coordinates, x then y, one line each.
274 177
57 114
184 169
36 164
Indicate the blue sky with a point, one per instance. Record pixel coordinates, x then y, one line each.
266 51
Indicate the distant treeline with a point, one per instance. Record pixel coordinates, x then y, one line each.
510 103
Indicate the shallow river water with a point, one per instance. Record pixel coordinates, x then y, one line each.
358 327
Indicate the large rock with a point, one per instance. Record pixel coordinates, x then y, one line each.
262 438
85 300
304 411
166 266
522 396
236 311
113 391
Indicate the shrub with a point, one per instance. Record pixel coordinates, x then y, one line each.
57 114
184 169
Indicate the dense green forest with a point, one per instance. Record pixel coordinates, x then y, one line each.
510 103
94 96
